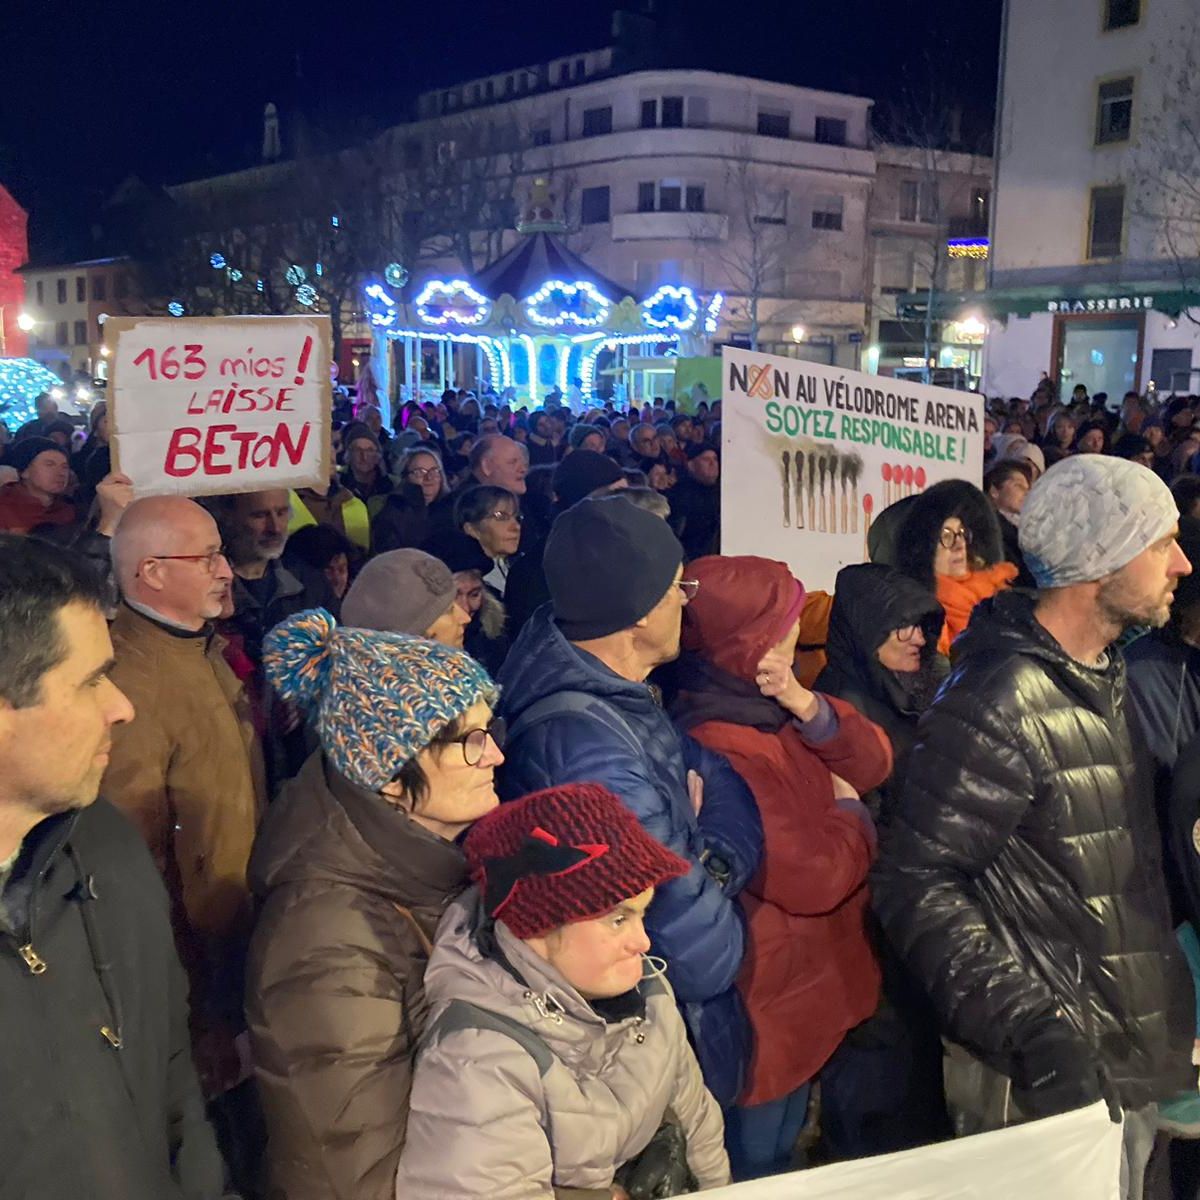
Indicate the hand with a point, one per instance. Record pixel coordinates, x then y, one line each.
1055 1072
115 494
695 782
619 1193
842 790
777 681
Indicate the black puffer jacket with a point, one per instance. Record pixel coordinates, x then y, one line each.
1022 877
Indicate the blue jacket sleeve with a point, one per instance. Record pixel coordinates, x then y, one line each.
692 923
730 823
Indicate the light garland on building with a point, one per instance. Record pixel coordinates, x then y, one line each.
671 307
454 301
306 294
967 247
572 297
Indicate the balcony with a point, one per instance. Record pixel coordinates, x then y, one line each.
670 226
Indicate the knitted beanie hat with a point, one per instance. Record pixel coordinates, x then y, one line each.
22 453
566 854
378 698
582 473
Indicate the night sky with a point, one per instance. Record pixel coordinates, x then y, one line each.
92 92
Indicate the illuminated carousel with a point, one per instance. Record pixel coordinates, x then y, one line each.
537 318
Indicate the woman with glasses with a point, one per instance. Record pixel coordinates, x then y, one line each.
420 502
810 973
354 865
492 516
951 544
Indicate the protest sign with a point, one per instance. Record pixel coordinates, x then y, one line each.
200 405
1075 1156
812 454
696 380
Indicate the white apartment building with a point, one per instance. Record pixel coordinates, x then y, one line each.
928 228
757 190
1091 276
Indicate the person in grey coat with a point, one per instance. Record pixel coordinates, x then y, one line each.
556 1062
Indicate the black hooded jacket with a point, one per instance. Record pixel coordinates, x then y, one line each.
927 513
1021 876
869 602
98 1093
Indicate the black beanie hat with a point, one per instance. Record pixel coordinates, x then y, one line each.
580 474
22 453
608 563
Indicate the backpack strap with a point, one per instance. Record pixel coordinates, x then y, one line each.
581 703
462 1014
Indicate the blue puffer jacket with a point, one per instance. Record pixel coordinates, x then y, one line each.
608 730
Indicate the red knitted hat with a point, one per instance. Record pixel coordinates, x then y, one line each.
562 855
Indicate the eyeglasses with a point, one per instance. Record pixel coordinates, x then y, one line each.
950 538
209 560
906 633
365 451
423 473
474 741
504 516
689 587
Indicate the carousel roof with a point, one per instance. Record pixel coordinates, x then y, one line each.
536 258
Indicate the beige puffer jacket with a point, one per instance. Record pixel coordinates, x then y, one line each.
484 1118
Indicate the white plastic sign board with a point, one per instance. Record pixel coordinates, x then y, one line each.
200 406
812 454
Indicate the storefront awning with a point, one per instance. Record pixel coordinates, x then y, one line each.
1000 303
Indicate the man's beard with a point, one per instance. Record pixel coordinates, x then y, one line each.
1126 612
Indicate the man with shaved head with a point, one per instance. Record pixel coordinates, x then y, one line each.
188 769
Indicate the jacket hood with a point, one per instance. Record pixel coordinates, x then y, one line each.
929 511
323 827
745 606
869 602
1005 626
542 662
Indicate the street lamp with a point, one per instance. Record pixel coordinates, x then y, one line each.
24 323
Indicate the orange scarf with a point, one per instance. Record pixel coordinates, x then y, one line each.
959 596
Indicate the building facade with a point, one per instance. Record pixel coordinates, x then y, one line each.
14 251
1094 241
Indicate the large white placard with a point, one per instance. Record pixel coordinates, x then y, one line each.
812 454
200 406
1076 1156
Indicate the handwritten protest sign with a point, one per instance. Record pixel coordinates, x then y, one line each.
200 406
812 454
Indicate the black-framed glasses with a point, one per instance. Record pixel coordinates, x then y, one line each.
689 587
209 560
474 741
950 538
906 633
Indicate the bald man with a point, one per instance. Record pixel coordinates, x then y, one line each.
499 461
188 770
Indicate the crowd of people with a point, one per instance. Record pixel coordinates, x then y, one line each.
470 826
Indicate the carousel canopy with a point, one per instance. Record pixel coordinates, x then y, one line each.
533 261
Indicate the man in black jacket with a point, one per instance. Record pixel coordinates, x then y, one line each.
98 1095
1021 877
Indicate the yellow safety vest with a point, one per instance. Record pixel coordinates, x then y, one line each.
354 517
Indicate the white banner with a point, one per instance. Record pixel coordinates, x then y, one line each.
812 454
1076 1156
203 405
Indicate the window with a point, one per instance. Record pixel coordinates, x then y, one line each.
693 198
827 212
646 197
831 131
1106 223
649 114
697 112
774 124
489 90
580 68
41 293
918 200
62 333
770 208
446 152
1114 111
508 86
476 93
672 112
1119 14
593 206
541 135
81 333
670 196
99 287
80 288
62 291
412 152
597 121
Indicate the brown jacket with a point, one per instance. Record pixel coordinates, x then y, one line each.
188 772
334 994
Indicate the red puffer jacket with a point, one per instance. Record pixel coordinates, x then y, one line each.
810 972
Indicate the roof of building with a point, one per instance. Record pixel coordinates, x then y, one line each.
536 259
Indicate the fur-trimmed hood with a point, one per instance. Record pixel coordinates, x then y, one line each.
924 520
